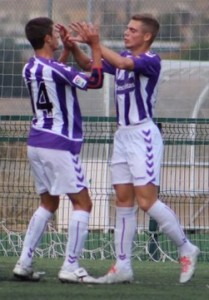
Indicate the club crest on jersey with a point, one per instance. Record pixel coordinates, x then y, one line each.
79 81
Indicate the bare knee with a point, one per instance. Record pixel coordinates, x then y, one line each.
145 204
49 202
81 200
146 196
125 195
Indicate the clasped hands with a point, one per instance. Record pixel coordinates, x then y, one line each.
85 33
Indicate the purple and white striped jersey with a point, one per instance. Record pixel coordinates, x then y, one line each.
57 121
135 91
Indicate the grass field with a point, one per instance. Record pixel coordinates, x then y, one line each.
153 281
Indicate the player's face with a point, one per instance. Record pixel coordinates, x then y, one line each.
134 35
55 39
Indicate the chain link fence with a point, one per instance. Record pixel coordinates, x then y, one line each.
183 36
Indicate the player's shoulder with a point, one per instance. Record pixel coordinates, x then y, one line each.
125 53
50 63
151 58
151 55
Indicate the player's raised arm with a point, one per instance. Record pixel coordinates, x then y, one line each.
88 33
67 46
81 58
71 47
92 39
117 60
112 57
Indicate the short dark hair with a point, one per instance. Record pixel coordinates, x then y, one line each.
151 24
36 30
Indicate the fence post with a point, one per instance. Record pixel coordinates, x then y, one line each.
153 244
50 8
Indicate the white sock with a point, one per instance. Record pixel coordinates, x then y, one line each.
34 233
77 234
169 224
125 230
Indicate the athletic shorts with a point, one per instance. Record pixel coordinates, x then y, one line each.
137 155
56 171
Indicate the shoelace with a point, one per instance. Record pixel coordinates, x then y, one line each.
185 263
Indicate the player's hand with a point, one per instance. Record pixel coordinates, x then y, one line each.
65 36
86 33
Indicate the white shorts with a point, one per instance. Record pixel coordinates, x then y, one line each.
137 155
56 171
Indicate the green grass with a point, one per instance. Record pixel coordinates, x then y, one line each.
153 281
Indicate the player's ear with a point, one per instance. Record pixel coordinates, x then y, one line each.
147 36
47 38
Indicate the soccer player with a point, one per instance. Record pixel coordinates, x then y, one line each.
54 143
138 146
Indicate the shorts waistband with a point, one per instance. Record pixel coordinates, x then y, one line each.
138 125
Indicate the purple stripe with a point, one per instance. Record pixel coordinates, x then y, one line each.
60 89
77 126
139 99
150 88
127 101
117 112
28 82
39 79
122 236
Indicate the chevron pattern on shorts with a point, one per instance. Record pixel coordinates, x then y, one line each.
150 156
78 171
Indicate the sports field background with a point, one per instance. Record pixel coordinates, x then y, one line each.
153 281
183 44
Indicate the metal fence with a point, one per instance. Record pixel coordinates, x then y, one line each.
184 187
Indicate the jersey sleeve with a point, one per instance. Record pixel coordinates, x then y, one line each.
147 64
78 79
63 74
108 68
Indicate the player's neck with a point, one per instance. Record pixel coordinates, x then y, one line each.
46 53
140 50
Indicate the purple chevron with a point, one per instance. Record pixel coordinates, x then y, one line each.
80 185
148 140
80 178
149 148
122 256
75 160
150 173
146 132
30 253
153 179
78 170
149 164
72 259
149 156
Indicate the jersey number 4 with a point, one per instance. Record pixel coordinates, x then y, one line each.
43 102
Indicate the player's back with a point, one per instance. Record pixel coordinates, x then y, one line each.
53 97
